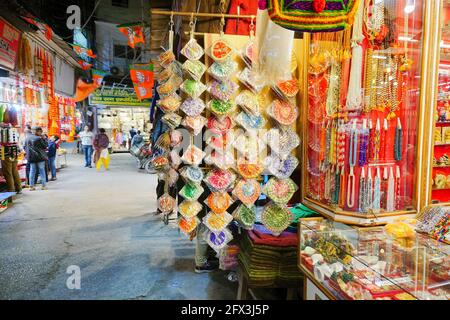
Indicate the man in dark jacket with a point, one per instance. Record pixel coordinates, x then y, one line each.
51 152
35 147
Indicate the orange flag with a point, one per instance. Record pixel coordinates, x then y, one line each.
84 90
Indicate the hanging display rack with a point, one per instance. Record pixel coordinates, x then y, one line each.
200 14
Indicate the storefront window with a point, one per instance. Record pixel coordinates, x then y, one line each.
362 114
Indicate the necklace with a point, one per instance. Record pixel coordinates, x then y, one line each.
377 192
398 141
384 187
353 145
351 189
369 189
332 153
341 201
390 192
337 185
341 145
363 146
377 142
383 139
362 192
398 203
333 89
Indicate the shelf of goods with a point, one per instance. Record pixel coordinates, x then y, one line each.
361 116
379 263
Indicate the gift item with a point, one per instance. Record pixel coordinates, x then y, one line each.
188 225
247 78
220 50
195 124
172 177
282 169
189 209
246 216
192 174
217 222
280 191
160 163
193 155
282 141
287 89
192 50
276 218
193 88
219 180
172 120
247 191
170 103
248 101
170 86
195 69
176 137
191 192
221 108
222 160
174 159
283 112
220 125
223 90
248 53
166 203
250 122
218 240
249 170
219 202
219 141
166 58
249 145
223 70
193 107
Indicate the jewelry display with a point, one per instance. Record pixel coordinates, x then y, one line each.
363 146
376 206
398 141
390 204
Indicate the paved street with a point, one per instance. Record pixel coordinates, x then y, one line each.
103 223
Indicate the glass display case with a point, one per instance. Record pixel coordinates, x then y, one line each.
378 263
361 121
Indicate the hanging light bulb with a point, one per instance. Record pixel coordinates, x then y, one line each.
410 6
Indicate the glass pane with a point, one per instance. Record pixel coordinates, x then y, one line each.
441 161
363 90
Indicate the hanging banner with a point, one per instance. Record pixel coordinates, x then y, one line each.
117 97
45 28
134 32
84 90
9 44
82 51
142 77
97 76
84 65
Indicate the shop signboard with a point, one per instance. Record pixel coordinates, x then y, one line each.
9 44
119 97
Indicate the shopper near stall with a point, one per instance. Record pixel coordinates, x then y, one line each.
87 139
51 152
137 139
101 154
36 147
11 173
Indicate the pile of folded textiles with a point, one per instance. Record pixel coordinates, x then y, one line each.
268 260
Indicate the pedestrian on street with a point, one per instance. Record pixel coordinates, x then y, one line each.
10 171
36 147
87 139
51 152
101 154
137 139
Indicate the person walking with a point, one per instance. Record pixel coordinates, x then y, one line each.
137 139
87 140
51 152
133 132
10 172
101 154
37 157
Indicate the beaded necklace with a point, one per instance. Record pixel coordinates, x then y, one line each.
341 201
351 189
333 146
398 203
363 146
353 145
362 192
383 140
369 189
398 141
337 183
377 142
341 145
377 192
390 206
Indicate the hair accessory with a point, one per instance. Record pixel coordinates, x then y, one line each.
377 192
390 201
398 202
216 222
363 146
276 218
351 189
191 192
246 216
280 191
247 191
377 142
369 189
362 192
398 141
353 145
189 209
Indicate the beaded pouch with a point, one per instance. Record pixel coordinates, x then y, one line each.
172 120
216 222
189 209
194 68
192 50
188 225
220 50
247 191
221 108
246 216
248 101
193 88
282 141
276 218
220 125
283 112
219 202
219 180
195 124
218 240
223 70
193 155
223 90
222 160
166 203
250 122
193 107
281 168
192 174
170 103
280 191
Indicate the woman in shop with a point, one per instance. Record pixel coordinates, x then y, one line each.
36 146
101 154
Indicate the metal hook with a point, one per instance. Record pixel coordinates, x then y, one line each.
171 23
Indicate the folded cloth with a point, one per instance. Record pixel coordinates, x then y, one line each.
261 236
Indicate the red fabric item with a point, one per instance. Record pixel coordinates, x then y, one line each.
319 5
261 236
248 7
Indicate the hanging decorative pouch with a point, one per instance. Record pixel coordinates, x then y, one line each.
172 177
283 112
249 170
313 15
282 169
247 78
195 124
250 122
223 90
216 222
172 120
248 101
220 50
188 225
218 240
276 218
192 174
220 160
169 86
189 209
170 103
219 141
193 88
247 191
194 68
191 192
164 75
176 137
166 203
249 145
193 107
219 180
192 50
219 202
287 89
246 216
193 155
223 70
248 53
166 58
160 163
282 141
280 191
220 125
175 159
221 108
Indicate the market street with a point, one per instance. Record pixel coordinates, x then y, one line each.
102 223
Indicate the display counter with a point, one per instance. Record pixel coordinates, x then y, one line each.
345 263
